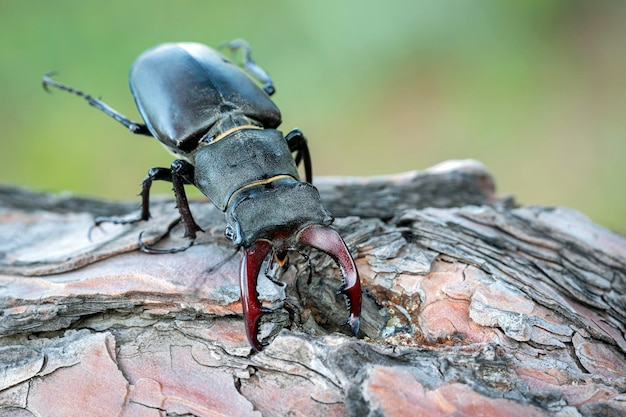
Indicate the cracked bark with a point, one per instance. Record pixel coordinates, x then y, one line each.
473 306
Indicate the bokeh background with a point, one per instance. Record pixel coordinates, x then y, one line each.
536 90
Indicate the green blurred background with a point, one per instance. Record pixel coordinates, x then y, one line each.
533 89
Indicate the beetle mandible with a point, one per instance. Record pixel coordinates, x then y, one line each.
222 127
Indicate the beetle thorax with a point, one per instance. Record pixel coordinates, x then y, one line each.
255 155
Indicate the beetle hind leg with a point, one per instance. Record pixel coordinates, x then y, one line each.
250 65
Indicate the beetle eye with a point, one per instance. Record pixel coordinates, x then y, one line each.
230 233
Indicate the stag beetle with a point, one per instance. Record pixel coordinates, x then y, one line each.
222 127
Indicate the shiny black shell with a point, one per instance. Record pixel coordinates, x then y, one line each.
185 90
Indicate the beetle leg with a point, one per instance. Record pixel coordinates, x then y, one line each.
327 240
179 174
154 174
134 127
183 173
250 267
149 249
250 66
297 143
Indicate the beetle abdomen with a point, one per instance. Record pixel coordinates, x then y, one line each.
183 89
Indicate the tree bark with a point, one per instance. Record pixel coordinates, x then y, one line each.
472 305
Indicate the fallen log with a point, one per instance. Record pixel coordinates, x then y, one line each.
473 305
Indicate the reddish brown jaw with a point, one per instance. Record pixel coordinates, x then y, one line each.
250 266
320 237
327 240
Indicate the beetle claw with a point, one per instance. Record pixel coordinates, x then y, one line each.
149 249
90 231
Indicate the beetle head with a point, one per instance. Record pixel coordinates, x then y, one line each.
288 217
275 211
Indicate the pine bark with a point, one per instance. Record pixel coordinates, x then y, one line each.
472 305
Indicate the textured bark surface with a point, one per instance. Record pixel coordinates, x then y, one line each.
473 306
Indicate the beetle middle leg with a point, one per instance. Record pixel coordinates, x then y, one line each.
183 173
297 143
179 174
